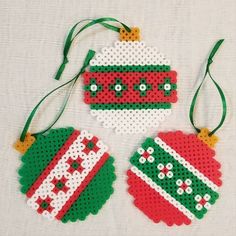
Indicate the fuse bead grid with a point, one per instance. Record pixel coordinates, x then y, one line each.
67 174
130 87
174 178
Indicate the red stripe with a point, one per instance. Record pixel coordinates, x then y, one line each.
195 152
82 186
153 204
107 96
53 163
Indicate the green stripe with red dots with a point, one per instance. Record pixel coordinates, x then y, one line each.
179 173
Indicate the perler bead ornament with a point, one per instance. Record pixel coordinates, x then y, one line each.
174 177
130 87
67 174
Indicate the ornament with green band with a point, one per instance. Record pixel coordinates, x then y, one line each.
137 85
67 174
175 176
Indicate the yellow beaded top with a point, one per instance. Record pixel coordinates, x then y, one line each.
130 36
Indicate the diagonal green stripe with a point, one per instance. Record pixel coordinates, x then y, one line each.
179 172
146 68
130 106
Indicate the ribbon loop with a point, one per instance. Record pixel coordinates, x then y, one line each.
89 56
69 40
71 37
221 93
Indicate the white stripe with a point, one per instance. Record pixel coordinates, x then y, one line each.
162 192
186 164
129 53
61 169
129 120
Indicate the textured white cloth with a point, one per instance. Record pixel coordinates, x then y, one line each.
31 39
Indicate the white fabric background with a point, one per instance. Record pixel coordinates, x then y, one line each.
31 40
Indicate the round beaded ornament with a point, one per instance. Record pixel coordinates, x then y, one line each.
67 174
130 87
175 177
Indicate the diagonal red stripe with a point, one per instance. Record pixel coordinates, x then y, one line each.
52 164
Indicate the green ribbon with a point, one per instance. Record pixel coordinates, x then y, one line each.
69 40
89 56
72 35
222 96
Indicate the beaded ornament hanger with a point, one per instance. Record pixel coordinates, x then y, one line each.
66 174
130 87
175 177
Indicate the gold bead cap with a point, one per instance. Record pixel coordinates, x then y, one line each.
22 147
206 138
134 35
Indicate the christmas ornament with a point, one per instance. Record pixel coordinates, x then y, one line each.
130 87
66 174
175 176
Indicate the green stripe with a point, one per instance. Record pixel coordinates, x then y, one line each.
130 106
94 195
146 68
179 172
40 154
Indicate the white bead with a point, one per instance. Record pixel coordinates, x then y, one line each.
207 205
93 87
207 197
167 87
140 151
169 166
188 190
151 159
199 207
142 160
188 181
169 174
118 87
179 182
180 191
160 166
198 198
161 175
150 150
142 87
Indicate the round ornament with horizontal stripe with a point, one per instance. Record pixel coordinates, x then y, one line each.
67 174
175 177
130 86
